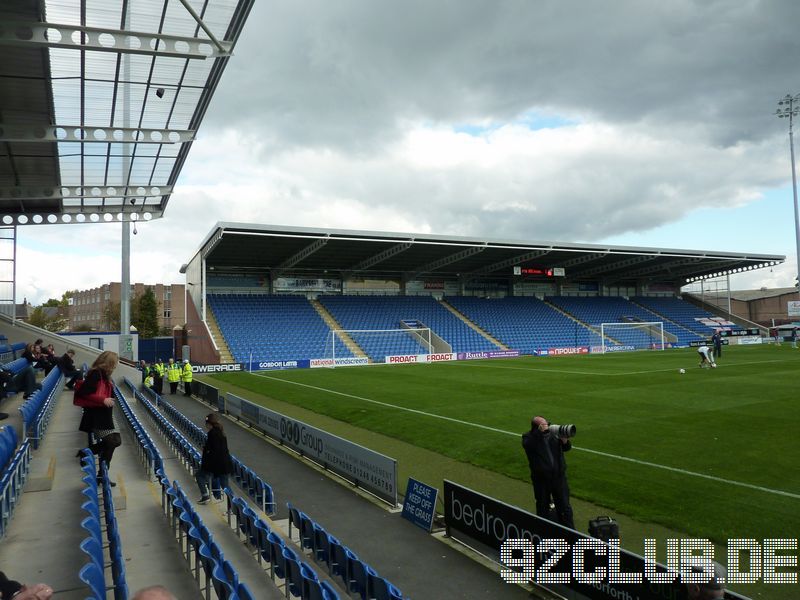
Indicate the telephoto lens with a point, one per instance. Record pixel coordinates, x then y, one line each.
566 431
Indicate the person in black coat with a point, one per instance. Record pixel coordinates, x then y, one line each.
216 462
66 365
545 452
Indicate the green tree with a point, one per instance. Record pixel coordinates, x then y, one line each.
111 316
40 318
147 314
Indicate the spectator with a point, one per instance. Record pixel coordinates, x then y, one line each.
66 365
144 369
149 381
25 380
714 589
96 396
154 592
48 359
14 589
548 467
216 461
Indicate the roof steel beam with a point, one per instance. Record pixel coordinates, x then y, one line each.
583 259
718 269
105 135
509 262
622 264
657 268
98 192
76 37
379 258
300 256
447 260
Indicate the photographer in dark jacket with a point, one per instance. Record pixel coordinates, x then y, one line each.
545 453
216 461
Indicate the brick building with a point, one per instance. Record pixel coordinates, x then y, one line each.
89 306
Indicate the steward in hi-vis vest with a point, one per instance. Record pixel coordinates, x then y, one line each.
186 376
173 376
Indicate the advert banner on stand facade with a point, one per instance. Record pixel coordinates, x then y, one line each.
367 469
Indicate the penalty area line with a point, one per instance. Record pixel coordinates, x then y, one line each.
515 434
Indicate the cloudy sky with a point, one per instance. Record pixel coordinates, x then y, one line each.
626 122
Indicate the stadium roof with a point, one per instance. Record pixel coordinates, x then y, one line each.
293 251
100 101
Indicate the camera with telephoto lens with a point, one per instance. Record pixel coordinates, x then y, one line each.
565 431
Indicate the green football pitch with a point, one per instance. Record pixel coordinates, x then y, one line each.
710 453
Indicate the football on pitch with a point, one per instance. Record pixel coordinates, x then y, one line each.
682 371
714 366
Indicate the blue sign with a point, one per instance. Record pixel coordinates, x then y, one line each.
419 505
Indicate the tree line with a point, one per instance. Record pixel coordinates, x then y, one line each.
144 315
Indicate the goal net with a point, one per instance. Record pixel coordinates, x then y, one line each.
619 337
376 344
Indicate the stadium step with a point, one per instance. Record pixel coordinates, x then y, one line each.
225 355
42 542
472 325
335 326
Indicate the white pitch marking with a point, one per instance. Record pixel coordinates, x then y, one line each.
486 427
485 365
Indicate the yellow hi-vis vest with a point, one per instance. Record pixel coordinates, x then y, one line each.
173 373
186 374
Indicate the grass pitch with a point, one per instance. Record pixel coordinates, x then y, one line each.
710 453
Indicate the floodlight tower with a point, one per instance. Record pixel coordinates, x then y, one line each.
789 108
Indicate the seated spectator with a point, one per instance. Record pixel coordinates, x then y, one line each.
48 359
18 591
25 380
154 592
149 380
66 365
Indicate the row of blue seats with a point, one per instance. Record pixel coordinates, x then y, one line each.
255 487
357 576
147 449
13 475
8 444
8 352
93 573
185 522
198 546
298 579
37 409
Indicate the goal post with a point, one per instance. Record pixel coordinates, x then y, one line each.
632 335
377 343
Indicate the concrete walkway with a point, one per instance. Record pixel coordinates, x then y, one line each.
420 565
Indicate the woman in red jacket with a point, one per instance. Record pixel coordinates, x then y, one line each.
96 396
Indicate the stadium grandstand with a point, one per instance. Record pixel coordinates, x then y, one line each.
263 294
100 104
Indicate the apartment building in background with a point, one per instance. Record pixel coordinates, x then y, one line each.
89 306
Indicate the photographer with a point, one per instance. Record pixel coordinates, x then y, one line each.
545 452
